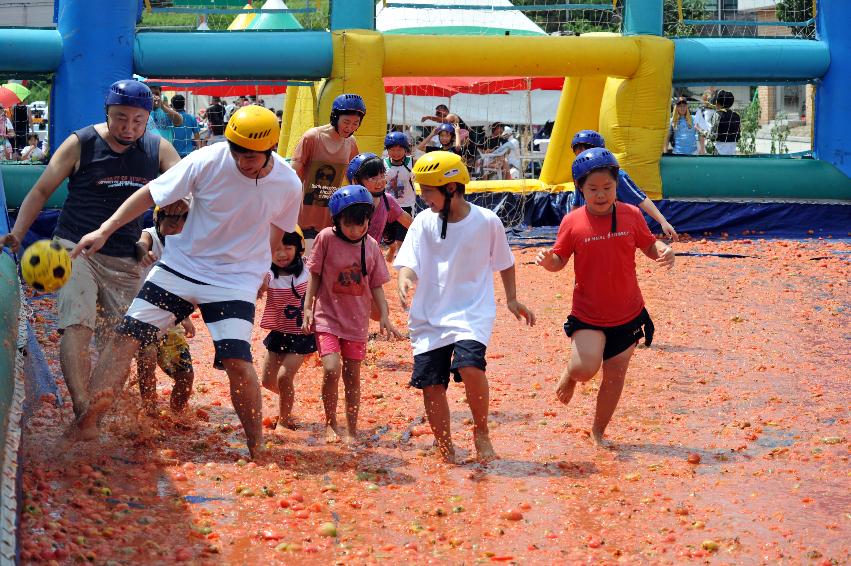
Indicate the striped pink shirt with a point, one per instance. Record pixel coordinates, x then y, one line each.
284 310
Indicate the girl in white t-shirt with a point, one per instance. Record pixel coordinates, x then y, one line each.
286 344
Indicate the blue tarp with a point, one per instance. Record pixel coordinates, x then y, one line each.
697 218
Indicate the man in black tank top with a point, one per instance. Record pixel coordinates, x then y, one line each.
104 164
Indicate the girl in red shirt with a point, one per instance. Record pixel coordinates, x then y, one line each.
608 316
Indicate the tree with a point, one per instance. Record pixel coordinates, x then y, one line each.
692 10
796 11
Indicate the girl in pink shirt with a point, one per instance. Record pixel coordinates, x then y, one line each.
347 272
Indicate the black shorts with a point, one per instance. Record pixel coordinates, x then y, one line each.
618 338
395 232
433 367
281 343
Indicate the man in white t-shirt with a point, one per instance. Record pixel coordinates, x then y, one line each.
244 197
450 254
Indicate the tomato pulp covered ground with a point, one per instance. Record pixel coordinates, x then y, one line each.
730 444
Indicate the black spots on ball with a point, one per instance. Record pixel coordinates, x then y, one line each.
59 272
35 260
38 286
55 246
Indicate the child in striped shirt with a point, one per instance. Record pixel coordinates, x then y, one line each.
286 343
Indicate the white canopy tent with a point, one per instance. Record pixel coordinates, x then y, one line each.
453 20
478 109
515 107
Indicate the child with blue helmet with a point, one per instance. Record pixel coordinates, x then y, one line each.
320 159
627 190
347 272
448 135
608 315
368 169
400 182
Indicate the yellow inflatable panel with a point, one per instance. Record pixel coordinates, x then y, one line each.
513 186
299 116
539 56
579 109
634 113
358 60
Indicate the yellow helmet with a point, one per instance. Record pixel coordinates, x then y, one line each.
438 168
253 127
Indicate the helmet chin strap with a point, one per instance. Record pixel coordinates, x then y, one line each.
447 203
338 231
117 140
265 163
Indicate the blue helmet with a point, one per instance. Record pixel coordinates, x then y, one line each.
348 196
591 160
445 128
356 163
394 139
130 93
349 103
588 137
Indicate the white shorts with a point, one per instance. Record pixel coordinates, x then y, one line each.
167 297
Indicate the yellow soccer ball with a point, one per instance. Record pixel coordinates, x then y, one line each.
46 266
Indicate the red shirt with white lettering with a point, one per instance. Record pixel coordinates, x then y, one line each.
606 291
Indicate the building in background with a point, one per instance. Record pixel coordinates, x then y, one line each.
26 13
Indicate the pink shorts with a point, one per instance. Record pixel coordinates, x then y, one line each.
350 349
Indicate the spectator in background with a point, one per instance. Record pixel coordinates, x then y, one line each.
442 116
163 118
230 108
506 157
682 133
216 121
32 152
703 119
21 121
494 140
7 135
203 132
187 137
280 115
726 124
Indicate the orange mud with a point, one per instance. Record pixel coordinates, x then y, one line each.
748 374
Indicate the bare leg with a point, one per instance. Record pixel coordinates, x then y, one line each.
76 364
107 378
391 251
351 384
437 412
614 375
286 376
245 396
271 363
478 397
146 364
331 365
586 356
182 389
